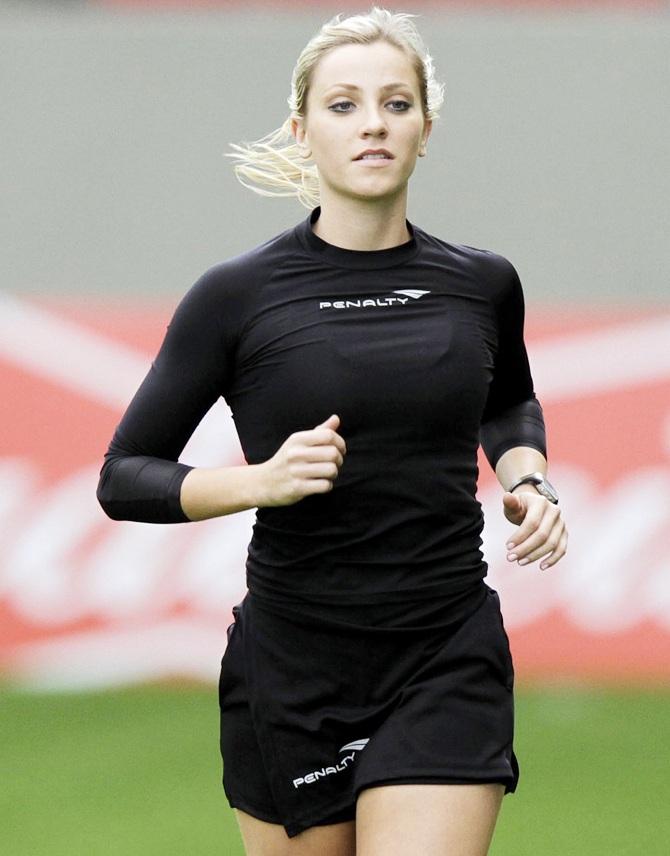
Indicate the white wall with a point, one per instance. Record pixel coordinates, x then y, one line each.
553 147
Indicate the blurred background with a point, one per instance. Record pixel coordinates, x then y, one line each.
553 149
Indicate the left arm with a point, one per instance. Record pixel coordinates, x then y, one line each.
513 436
541 533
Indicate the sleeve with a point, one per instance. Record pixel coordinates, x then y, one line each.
512 415
141 477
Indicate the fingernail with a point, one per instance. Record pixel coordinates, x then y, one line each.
524 561
510 545
512 557
543 567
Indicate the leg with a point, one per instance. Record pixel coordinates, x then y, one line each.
433 820
270 839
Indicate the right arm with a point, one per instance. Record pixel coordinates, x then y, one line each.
142 479
306 463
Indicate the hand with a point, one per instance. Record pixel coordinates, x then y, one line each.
306 463
541 534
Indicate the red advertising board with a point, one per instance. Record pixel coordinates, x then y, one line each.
88 602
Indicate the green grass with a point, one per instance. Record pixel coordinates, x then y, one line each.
137 772
595 776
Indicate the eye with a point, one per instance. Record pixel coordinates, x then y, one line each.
399 106
339 104
404 105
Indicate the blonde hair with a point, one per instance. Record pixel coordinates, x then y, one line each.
275 165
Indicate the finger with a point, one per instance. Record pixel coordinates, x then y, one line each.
543 541
326 428
319 470
558 553
312 486
333 422
548 545
317 454
543 552
527 528
534 531
317 437
323 437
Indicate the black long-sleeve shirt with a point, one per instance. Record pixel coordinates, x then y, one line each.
418 348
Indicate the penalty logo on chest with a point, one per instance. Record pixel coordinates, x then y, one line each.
404 296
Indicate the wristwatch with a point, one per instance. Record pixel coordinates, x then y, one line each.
544 487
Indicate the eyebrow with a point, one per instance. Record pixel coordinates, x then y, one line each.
389 87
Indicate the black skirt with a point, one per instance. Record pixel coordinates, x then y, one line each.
319 703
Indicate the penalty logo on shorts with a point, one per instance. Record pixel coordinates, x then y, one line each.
345 761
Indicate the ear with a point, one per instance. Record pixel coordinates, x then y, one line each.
427 128
299 132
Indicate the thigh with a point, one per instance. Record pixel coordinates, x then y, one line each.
434 820
270 839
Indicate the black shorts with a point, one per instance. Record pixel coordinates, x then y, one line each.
317 706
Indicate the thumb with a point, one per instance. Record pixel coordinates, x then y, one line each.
512 503
333 422
511 500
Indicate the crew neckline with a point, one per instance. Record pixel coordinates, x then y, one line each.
354 259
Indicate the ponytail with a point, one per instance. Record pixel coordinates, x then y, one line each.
275 165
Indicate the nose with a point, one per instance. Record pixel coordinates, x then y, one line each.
374 123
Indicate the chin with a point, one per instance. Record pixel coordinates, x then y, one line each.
375 187
379 184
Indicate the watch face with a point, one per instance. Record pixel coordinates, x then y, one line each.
547 490
543 487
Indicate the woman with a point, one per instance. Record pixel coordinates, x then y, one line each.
366 690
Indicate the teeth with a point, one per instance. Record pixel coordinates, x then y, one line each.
365 157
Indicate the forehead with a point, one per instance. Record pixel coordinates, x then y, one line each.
364 66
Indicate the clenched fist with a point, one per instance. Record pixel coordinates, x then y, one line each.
306 463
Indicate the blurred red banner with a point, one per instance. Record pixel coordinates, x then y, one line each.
88 602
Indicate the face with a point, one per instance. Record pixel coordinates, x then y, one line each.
363 97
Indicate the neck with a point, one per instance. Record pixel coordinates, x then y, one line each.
355 224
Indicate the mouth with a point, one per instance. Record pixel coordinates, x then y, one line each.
375 156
